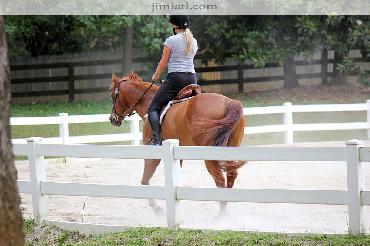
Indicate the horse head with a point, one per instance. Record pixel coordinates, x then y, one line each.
129 95
119 106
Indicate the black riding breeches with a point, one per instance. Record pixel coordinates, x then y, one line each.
174 83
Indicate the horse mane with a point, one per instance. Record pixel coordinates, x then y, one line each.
131 76
134 76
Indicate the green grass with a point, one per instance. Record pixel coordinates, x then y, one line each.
104 107
49 235
53 109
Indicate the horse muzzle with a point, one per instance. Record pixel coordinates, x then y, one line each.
114 120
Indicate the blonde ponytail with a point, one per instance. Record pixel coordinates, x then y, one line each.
188 40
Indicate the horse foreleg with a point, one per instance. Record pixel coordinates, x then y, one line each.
214 169
149 169
150 166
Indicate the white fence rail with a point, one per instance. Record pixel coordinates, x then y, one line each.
63 120
354 154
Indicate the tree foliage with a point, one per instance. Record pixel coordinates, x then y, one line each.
259 39
40 35
44 35
263 39
341 34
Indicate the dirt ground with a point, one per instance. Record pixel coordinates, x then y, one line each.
241 216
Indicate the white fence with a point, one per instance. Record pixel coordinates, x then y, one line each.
63 120
354 154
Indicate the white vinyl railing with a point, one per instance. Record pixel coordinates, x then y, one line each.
63 120
288 127
353 154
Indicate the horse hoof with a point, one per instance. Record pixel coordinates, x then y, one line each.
158 211
222 215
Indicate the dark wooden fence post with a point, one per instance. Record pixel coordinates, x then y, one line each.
324 66
241 77
71 82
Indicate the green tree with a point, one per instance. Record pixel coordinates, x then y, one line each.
263 39
341 34
44 35
260 39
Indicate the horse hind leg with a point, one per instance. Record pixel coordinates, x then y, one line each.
150 166
231 176
214 169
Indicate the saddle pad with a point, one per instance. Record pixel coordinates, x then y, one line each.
170 103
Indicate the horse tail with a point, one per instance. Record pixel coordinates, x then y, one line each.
234 111
218 132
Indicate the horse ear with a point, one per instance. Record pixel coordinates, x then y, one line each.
115 79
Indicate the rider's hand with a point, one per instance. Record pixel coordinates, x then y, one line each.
155 77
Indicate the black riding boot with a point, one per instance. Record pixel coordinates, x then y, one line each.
153 117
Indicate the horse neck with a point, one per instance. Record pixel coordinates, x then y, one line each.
138 89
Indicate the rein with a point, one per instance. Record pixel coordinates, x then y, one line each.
129 111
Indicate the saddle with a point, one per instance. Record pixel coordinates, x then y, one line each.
184 95
188 91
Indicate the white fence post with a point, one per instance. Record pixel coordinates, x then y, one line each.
355 184
172 180
368 118
135 129
288 122
63 128
37 174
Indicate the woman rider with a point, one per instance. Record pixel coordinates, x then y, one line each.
178 53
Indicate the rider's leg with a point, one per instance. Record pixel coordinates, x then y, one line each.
153 117
168 90
165 93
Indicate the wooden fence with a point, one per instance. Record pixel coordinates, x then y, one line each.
354 154
70 76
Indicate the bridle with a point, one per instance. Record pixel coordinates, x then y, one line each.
130 111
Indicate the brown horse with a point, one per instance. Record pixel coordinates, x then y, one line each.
207 119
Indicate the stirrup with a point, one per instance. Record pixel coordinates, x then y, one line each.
154 143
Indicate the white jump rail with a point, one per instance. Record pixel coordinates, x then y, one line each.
354 154
288 127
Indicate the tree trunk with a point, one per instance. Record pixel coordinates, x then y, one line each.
288 31
290 75
339 78
11 222
324 66
127 50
